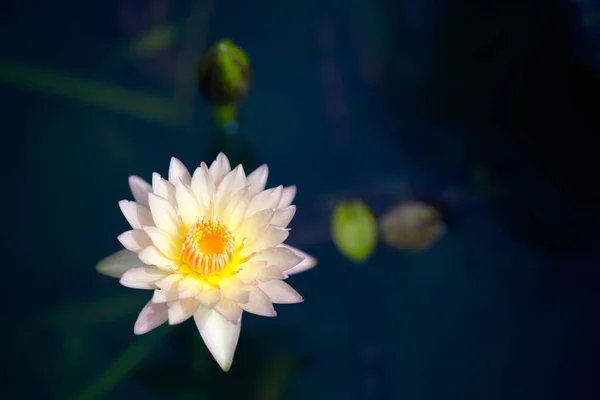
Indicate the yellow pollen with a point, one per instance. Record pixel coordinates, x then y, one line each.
208 247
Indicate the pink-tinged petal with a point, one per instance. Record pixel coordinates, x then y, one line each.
181 310
178 171
307 263
283 216
273 236
233 289
219 334
167 244
257 179
164 215
143 277
281 257
248 271
231 183
187 205
151 256
189 287
266 199
140 189
287 196
269 273
219 168
209 296
280 292
135 240
118 263
163 188
152 316
137 215
254 227
229 309
167 289
259 303
203 187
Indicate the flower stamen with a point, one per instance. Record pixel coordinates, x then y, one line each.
208 247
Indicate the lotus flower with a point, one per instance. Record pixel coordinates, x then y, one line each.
209 246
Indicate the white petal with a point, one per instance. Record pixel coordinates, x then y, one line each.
167 289
259 303
168 245
116 264
209 296
281 257
188 207
135 240
219 334
232 203
189 287
151 256
248 271
283 216
233 289
164 215
280 292
204 187
252 228
140 189
235 211
219 168
180 310
142 277
271 237
163 188
229 309
257 179
152 316
287 196
178 171
231 183
266 199
308 262
269 273
137 215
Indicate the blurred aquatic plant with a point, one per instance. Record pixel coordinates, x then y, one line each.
120 368
354 230
153 41
66 335
224 77
112 97
263 374
411 226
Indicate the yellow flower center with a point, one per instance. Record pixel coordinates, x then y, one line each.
208 247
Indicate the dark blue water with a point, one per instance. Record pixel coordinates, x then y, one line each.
503 307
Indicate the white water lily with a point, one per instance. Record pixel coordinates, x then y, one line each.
209 246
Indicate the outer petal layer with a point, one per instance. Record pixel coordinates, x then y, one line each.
219 334
116 264
152 316
308 262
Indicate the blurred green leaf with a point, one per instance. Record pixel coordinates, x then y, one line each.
354 230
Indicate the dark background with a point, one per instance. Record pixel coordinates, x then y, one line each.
349 99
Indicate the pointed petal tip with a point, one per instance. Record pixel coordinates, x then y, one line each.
219 335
